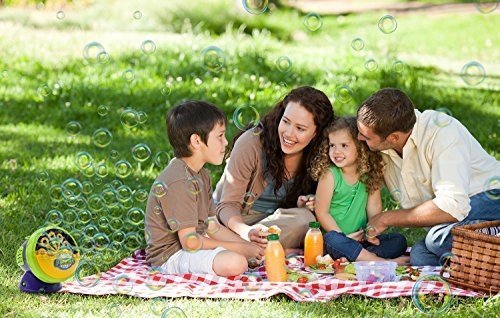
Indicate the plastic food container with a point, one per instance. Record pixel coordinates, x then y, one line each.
372 271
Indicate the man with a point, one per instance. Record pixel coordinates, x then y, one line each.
438 171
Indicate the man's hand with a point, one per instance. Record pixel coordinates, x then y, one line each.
258 235
306 201
251 250
376 225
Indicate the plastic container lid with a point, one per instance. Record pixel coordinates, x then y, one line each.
273 237
314 225
374 271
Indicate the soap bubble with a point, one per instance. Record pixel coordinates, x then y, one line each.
70 216
398 66
193 185
72 185
159 189
371 65
212 224
173 225
102 110
284 64
101 241
387 24
213 58
142 117
95 203
87 274
245 116
123 284
357 44
442 117
313 21
116 224
431 294
140 195
135 216
44 90
157 209
54 217
84 216
396 196
449 263
42 177
492 188
123 169
60 15
132 241
148 47
101 170
248 199
129 118
343 94
173 312
161 159
56 193
137 15
153 279
193 242
83 160
124 193
73 128
141 152
255 6
128 75
87 187
92 52
486 6
473 73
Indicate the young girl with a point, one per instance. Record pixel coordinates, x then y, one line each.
348 193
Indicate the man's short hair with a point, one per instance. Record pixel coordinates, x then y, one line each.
191 117
387 111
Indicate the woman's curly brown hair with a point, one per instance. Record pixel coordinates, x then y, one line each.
370 165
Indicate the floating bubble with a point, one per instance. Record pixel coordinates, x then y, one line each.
124 193
90 230
103 224
123 284
140 195
42 177
313 21
157 209
101 170
357 44
135 216
173 312
44 90
153 279
114 311
148 47
113 154
128 75
492 188
115 184
101 241
473 73
87 274
248 199
54 217
92 52
255 6
123 169
73 128
161 159
141 152
193 242
142 117
284 64
213 225
60 15
371 65
132 241
87 187
159 189
387 24
343 94
258 129
89 171
70 216
486 6
246 116
213 59
56 193
449 263
83 160
166 90
137 15
103 57
193 185
173 225
127 204
129 118
84 216
442 117
116 223
95 203
102 110
396 196
306 293
72 185
398 66
431 294
293 260
370 231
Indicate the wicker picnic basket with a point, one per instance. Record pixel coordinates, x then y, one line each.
477 262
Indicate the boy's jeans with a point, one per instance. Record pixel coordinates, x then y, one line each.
338 245
484 207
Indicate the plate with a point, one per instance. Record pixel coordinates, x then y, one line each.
328 270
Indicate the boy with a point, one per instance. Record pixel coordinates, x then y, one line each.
180 203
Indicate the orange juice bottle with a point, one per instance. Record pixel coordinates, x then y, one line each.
275 259
313 244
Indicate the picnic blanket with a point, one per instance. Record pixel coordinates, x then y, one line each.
133 276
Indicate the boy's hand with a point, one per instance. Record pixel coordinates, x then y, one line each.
358 236
306 201
258 235
251 250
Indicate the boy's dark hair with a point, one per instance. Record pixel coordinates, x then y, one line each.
387 111
191 117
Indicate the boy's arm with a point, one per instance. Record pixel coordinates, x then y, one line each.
324 196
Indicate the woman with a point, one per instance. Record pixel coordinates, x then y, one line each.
268 167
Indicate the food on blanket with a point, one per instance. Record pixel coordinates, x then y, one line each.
300 277
345 276
408 273
349 268
326 260
274 229
253 263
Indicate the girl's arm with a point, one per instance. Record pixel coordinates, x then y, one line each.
324 196
373 204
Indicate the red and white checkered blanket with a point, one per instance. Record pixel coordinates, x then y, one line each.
135 277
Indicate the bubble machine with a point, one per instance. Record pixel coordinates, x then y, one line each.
49 256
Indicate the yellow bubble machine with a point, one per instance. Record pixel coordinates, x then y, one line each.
49 256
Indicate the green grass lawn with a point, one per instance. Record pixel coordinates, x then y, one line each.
45 83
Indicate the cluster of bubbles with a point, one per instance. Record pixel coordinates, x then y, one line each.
131 118
255 6
94 52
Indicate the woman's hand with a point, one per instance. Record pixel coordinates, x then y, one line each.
258 234
306 201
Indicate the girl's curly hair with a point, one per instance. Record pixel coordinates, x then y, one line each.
370 165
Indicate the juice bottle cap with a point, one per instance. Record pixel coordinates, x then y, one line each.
273 237
314 225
